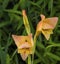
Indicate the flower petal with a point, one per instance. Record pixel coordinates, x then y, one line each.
42 17
25 52
25 45
24 56
47 33
23 41
39 26
19 40
30 39
50 23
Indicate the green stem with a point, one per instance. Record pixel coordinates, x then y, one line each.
29 59
34 48
35 39
34 42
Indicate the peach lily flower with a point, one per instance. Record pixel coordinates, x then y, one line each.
24 45
46 26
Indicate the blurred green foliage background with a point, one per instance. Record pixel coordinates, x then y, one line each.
11 22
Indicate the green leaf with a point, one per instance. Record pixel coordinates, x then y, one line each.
41 57
23 4
13 11
4 23
36 61
2 56
7 59
50 46
50 7
53 56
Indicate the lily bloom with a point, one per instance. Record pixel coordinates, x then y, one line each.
46 26
24 45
